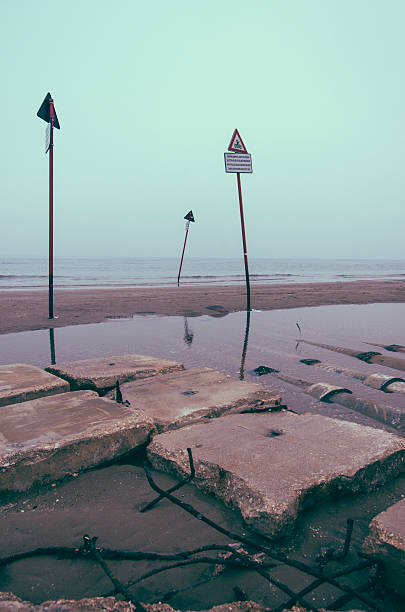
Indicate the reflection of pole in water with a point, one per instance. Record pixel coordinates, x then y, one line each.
52 343
188 334
245 345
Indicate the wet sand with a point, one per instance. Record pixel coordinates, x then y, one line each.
105 502
28 310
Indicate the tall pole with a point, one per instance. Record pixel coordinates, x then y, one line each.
51 210
182 255
242 223
47 112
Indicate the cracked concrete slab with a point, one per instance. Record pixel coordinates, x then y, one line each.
270 467
49 438
100 373
20 382
386 543
180 398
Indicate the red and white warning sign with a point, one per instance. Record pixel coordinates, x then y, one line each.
236 145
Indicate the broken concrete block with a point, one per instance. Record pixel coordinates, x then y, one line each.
48 438
20 382
180 398
271 466
10 602
386 543
385 382
101 373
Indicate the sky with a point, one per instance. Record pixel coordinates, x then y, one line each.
148 95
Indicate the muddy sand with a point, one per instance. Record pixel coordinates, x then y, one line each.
28 310
106 502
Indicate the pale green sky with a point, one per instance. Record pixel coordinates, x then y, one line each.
148 95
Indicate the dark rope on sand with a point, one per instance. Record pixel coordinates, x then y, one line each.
240 557
273 554
90 545
239 563
177 486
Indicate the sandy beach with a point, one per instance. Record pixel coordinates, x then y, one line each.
28 310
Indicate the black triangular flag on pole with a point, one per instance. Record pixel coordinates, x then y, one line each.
45 114
189 216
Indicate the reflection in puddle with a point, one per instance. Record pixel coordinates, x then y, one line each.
222 342
52 344
188 333
245 345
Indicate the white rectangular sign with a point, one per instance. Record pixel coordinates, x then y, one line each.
238 162
47 138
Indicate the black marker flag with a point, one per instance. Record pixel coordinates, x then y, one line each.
189 216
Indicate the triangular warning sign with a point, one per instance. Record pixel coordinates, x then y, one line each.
236 145
189 216
44 112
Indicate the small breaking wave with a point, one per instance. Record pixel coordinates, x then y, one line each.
23 276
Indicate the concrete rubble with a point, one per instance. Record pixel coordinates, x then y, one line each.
180 398
265 463
10 602
325 392
48 438
386 542
20 382
382 382
368 357
269 467
101 373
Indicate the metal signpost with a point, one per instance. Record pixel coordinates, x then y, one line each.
47 113
238 161
189 217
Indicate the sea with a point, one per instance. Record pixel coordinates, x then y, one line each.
93 272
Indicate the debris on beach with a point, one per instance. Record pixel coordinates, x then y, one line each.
392 348
383 382
325 392
368 356
262 370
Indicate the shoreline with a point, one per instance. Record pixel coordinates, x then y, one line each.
28 310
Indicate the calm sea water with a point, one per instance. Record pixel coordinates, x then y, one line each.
32 273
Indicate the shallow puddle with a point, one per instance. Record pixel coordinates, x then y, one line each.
236 344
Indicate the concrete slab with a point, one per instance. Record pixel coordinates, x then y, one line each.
20 382
181 398
386 542
48 438
270 467
100 373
